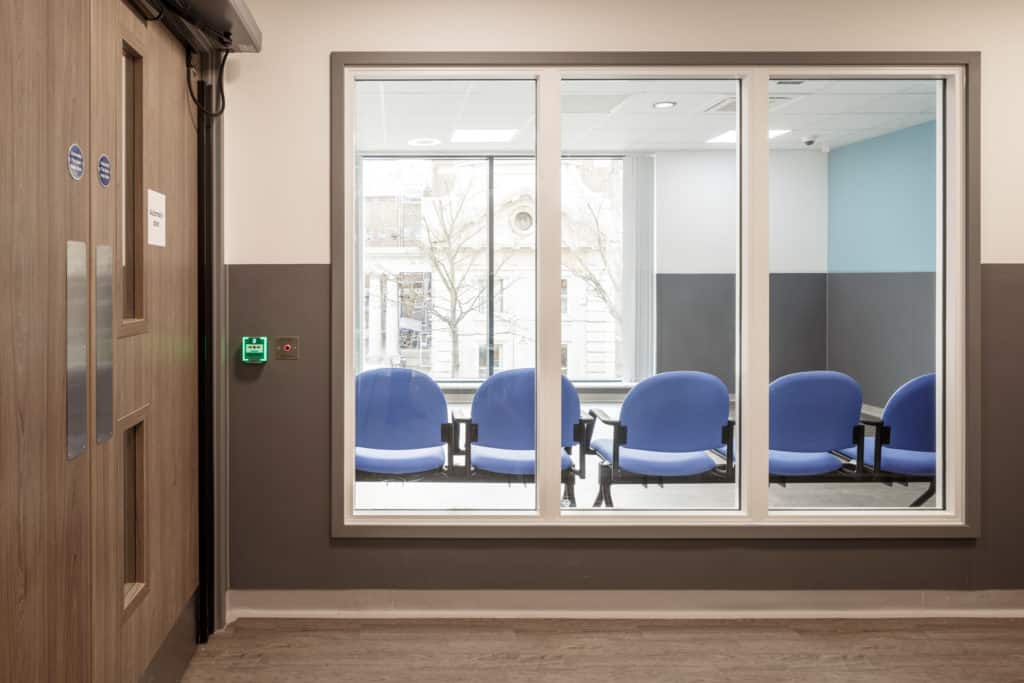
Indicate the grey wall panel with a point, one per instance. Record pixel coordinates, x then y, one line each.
696 326
798 320
881 329
280 506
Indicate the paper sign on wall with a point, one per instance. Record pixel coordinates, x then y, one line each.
156 218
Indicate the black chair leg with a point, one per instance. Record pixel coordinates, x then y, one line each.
606 485
569 479
603 490
923 498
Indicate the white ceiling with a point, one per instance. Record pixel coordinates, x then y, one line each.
601 116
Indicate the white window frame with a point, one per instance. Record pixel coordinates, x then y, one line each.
753 518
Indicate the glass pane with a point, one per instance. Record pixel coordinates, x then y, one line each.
131 184
446 251
131 457
650 223
855 182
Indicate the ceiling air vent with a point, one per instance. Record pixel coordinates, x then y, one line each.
728 104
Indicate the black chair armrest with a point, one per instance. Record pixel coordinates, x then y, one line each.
450 436
728 431
463 425
858 441
583 431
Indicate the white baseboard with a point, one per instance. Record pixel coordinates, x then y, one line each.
621 604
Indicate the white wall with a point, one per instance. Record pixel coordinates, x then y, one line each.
697 212
277 122
798 199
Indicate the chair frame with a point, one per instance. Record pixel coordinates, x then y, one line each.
614 473
581 430
883 436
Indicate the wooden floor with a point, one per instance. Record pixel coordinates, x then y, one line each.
567 651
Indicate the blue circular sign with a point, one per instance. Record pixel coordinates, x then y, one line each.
103 170
76 161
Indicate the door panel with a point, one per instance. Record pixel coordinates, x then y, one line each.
44 497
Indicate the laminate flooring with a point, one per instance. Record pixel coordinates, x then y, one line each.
593 651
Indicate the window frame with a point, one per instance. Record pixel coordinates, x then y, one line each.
959 259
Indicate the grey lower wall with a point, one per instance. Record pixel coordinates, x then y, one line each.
696 328
696 324
280 500
881 329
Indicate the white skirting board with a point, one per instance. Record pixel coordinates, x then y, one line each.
622 604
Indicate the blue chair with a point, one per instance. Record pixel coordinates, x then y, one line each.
904 441
668 425
401 423
501 431
812 416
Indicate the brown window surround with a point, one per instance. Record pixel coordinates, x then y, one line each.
970 62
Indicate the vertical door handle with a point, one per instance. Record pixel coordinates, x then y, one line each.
104 343
77 321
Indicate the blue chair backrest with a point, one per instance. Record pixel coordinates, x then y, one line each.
813 411
398 408
504 410
910 412
678 411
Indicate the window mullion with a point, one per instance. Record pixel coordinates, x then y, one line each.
754 300
549 261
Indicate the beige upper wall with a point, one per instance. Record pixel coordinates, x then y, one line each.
277 156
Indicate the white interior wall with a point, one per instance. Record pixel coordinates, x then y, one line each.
277 125
697 212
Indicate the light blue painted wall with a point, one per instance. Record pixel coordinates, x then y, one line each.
881 203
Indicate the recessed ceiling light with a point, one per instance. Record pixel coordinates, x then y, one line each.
484 134
729 136
664 104
423 142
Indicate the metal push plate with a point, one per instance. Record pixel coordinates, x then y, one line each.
77 377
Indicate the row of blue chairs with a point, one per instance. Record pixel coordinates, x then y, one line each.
672 427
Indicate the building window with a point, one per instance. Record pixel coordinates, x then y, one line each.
483 363
711 263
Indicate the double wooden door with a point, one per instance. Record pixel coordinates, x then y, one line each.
98 464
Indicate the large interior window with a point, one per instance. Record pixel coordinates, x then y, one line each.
447 235
855 399
650 223
687 296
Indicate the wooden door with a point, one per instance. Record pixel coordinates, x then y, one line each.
82 596
45 545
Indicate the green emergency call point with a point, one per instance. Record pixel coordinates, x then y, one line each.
254 350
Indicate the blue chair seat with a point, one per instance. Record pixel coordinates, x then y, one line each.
796 464
896 460
401 461
509 461
656 463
